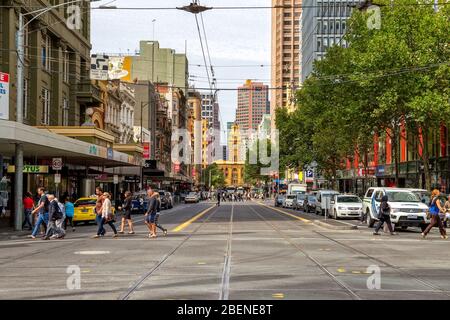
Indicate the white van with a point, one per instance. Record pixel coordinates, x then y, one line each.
319 196
406 208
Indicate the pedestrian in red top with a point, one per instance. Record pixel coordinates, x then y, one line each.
28 206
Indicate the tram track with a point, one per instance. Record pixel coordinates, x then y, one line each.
289 240
376 260
225 285
137 284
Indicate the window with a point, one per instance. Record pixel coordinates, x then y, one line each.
26 39
45 107
65 112
46 52
66 66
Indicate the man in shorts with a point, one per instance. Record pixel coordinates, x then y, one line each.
150 215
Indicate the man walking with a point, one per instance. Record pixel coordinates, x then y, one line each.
28 206
54 217
218 198
150 215
42 210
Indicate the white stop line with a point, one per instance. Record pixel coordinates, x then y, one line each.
92 253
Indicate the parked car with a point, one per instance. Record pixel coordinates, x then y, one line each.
319 196
407 210
279 199
346 206
289 201
166 199
298 201
309 204
192 197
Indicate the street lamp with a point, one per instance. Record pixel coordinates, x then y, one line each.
18 186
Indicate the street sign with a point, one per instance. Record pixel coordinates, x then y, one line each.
4 96
99 67
116 179
57 164
57 178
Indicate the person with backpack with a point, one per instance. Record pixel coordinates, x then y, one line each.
55 216
42 210
126 209
435 209
385 216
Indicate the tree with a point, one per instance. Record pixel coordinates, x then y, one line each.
217 176
252 171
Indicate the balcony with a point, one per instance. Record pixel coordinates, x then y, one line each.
88 93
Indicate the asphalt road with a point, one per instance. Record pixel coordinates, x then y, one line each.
235 251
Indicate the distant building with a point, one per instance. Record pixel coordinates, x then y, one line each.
286 52
323 25
253 104
233 172
160 65
224 153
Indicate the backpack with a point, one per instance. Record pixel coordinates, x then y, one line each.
58 213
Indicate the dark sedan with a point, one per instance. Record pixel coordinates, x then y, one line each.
279 199
309 204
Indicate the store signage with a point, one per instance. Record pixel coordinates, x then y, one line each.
93 150
29 169
146 146
4 96
110 153
57 163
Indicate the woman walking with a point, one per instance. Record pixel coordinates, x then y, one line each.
126 216
107 216
384 216
158 212
435 209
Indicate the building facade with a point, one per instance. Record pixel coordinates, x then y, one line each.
286 52
64 111
253 104
323 25
233 172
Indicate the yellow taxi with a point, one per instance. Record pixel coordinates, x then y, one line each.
84 210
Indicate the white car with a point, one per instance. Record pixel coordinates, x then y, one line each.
406 208
346 206
289 201
192 197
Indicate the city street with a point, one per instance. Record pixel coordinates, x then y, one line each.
242 250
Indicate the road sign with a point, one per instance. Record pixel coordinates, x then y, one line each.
4 96
57 178
116 179
57 164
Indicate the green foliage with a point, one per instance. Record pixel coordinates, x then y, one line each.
397 75
217 176
252 171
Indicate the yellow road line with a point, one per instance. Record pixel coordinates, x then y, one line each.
286 213
193 219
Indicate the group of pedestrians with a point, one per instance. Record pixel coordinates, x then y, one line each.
437 214
105 215
50 215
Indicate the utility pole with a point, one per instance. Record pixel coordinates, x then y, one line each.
209 179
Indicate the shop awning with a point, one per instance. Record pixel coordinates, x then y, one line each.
42 143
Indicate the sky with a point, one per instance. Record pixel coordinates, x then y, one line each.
239 40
